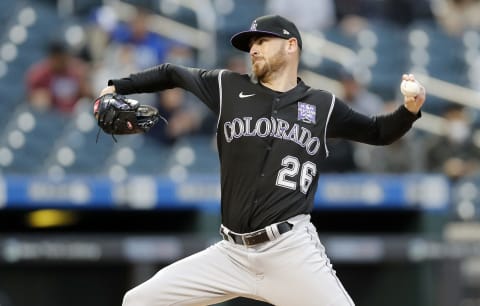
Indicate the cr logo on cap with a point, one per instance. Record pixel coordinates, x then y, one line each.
253 27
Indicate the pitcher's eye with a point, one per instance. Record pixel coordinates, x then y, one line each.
261 40
257 41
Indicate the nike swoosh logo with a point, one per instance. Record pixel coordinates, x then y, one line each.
241 95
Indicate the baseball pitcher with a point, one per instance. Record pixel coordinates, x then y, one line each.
271 133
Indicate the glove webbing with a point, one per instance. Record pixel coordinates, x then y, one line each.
113 136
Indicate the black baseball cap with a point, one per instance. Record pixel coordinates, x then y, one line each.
270 25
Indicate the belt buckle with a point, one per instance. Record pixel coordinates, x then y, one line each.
251 235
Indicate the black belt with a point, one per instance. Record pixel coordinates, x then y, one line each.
257 237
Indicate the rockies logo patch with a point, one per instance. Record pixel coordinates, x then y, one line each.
307 112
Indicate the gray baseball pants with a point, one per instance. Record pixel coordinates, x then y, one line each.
291 270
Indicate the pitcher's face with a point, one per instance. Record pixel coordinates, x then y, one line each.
268 55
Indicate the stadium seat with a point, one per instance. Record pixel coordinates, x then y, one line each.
150 156
205 158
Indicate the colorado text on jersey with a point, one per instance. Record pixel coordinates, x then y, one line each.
273 127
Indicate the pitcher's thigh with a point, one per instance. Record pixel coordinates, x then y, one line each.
299 273
201 279
307 288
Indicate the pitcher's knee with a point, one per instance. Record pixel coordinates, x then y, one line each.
130 298
137 297
150 293
343 301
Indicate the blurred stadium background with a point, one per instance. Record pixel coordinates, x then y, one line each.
81 222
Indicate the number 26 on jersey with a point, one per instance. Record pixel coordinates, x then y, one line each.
287 176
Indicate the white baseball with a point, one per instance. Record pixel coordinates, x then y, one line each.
409 88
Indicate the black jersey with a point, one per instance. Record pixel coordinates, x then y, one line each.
269 143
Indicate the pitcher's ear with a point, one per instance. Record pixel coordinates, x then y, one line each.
292 45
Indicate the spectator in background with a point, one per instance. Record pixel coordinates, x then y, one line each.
311 16
347 156
456 16
404 12
133 46
117 59
352 15
475 74
185 116
357 96
149 48
130 43
237 63
454 154
58 81
356 15
401 156
341 158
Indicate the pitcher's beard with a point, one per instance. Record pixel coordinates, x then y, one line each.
260 69
264 69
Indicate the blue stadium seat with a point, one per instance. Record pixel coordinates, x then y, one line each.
30 155
446 60
435 105
336 35
328 68
89 155
206 157
7 11
151 157
391 46
244 12
12 91
24 162
85 7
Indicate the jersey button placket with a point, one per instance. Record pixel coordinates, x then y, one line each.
269 147
275 105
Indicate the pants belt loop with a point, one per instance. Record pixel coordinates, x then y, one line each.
243 240
225 231
276 232
270 232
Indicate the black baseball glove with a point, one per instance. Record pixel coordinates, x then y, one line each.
118 115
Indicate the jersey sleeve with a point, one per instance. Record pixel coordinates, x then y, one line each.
202 83
375 130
